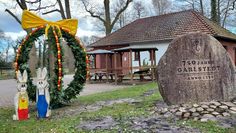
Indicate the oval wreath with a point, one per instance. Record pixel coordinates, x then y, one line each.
57 94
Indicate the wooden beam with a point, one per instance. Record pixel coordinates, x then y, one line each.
139 61
131 65
152 70
107 67
155 61
115 70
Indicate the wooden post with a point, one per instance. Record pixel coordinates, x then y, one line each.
131 66
115 68
155 61
95 67
139 61
152 70
107 68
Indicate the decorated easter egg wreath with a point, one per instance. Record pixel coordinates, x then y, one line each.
54 31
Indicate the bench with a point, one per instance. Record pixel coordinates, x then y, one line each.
142 73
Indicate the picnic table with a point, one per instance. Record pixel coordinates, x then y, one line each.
101 74
142 72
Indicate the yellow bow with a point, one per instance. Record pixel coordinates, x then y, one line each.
31 20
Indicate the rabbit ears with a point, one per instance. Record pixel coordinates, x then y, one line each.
21 78
42 74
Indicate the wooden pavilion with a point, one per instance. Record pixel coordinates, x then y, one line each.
118 63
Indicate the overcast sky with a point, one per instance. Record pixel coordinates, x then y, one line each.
87 25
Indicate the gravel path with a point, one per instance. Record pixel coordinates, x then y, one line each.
8 89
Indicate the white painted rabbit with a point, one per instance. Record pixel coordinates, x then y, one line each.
42 94
21 99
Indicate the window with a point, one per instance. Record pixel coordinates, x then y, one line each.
136 56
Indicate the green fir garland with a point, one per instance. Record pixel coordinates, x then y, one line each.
58 96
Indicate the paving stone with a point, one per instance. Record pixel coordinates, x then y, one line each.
205 106
233 108
223 107
232 112
164 110
205 112
215 103
195 114
225 114
186 115
182 109
203 119
200 109
208 116
178 113
212 106
210 110
215 113
230 104
193 110
195 105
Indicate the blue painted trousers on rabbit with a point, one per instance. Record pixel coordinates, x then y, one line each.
42 106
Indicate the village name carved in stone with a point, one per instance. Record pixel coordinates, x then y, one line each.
193 70
196 68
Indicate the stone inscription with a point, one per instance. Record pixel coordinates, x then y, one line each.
195 70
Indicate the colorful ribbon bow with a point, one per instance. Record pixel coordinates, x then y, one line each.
31 20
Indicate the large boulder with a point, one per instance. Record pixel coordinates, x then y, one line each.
196 68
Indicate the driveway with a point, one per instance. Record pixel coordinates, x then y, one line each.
8 89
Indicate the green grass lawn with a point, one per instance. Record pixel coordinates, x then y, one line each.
67 124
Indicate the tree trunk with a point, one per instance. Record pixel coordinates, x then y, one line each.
107 16
201 6
51 60
67 6
33 60
214 17
40 55
219 12
44 53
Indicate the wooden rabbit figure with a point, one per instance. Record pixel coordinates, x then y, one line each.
21 99
42 94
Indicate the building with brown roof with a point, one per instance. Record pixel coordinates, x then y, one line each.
159 31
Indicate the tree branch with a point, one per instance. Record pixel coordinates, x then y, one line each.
61 9
33 2
121 10
92 14
44 7
19 3
23 4
14 16
55 10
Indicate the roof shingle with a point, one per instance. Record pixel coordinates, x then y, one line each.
164 27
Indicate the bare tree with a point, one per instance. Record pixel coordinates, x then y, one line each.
139 9
105 16
65 10
161 6
24 5
227 9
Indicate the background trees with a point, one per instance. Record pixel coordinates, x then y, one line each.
106 14
109 16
